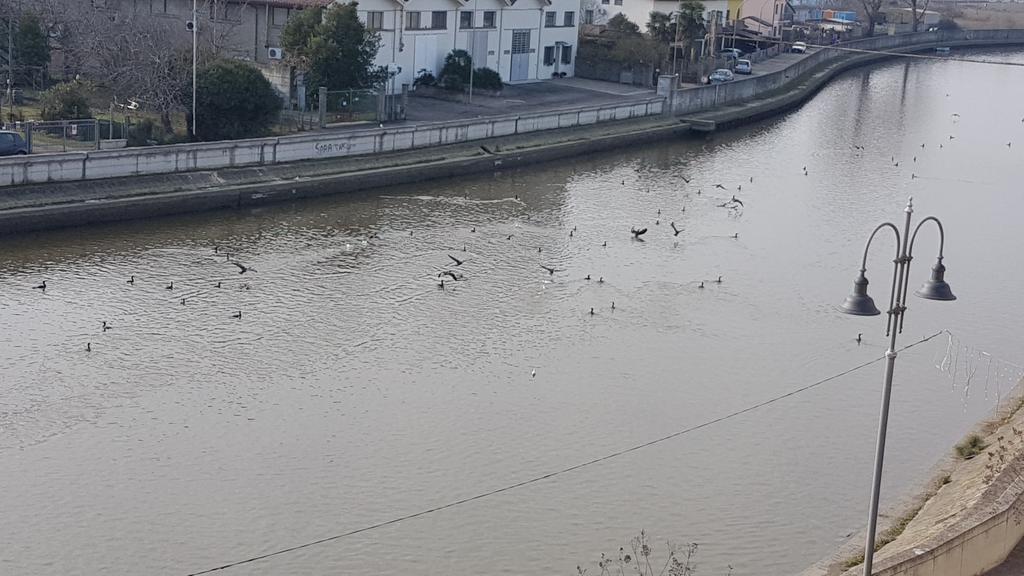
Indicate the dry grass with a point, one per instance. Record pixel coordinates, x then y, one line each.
982 15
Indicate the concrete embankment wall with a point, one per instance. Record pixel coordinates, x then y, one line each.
705 98
258 185
100 164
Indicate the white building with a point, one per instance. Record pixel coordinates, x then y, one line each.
523 40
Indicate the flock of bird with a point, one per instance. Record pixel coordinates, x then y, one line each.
447 275
105 326
453 274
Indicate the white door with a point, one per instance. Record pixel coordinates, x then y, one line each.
520 55
426 54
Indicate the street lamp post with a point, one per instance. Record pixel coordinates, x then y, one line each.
860 304
195 60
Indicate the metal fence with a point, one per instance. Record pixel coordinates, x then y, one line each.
351 106
62 135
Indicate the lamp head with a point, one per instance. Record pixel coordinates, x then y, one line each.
859 303
936 288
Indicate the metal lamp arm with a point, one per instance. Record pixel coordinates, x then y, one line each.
910 256
895 230
942 236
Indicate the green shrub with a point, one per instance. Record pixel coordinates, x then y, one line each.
487 79
455 73
970 447
65 101
234 101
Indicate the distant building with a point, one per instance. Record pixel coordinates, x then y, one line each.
243 29
901 20
523 40
764 17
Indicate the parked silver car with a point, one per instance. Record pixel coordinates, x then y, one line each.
743 67
720 75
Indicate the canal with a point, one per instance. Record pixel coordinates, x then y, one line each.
354 390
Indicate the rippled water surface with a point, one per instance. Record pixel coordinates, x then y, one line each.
353 389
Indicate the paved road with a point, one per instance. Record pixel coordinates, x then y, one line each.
534 97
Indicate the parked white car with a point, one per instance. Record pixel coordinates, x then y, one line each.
799 47
719 76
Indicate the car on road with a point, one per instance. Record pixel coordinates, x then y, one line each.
12 144
798 47
732 53
719 76
743 67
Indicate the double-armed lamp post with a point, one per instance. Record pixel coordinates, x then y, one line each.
860 304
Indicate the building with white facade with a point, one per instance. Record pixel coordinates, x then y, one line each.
523 40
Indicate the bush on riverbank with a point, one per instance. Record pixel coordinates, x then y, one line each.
970 447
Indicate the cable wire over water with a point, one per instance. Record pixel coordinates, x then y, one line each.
562 471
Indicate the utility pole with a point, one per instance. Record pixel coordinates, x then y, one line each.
195 61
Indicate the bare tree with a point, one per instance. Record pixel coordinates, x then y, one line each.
136 56
872 8
917 16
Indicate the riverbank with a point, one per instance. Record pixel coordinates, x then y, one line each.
65 204
967 518
177 190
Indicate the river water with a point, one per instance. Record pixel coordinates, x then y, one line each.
354 390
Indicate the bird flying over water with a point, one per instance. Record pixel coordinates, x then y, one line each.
719 186
675 230
242 269
638 233
456 260
551 270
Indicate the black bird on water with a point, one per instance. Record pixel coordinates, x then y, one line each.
605 245
218 284
41 286
170 286
858 337
638 233
237 315
736 236
182 301
719 281
106 326
88 346
675 230
591 311
131 280
701 285
456 260
509 237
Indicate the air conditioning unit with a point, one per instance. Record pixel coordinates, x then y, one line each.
275 53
